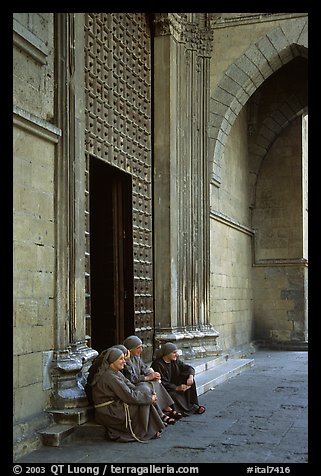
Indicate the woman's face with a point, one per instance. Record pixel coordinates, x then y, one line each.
172 356
136 351
119 363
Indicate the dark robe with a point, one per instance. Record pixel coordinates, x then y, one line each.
145 421
91 373
174 374
135 370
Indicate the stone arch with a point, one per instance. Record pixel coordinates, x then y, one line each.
270 129
243 78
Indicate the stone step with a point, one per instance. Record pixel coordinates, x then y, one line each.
71 416
210 372
202 364
56 433
215 375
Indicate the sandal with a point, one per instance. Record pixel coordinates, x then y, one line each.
167 420
174 414
200 410
157 435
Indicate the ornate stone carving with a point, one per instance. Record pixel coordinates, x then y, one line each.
188 277
193 341
69 372
193 29
118 131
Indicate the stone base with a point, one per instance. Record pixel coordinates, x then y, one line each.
281 345
26 434
72 416
69 374
193 342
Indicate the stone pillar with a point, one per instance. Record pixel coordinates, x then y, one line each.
72 356
182 48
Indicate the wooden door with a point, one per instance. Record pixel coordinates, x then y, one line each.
111 263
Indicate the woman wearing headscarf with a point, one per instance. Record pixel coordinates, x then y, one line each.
93 369
139 373
125 410
178 379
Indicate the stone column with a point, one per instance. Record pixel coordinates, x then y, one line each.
182 47
72 356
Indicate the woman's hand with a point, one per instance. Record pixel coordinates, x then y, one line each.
152 376
190 380
182 387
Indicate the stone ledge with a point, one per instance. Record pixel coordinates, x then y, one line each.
75 416
213 376
55 434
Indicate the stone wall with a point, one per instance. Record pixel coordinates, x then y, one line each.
245 121
34 139
231 294
258 286
279 275
33 63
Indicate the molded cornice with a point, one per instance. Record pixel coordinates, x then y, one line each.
29 43
35 125
218 20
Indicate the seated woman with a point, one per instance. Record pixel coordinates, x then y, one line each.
178 379
94 368
125 410
140 373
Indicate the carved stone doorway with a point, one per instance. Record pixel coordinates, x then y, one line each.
111 251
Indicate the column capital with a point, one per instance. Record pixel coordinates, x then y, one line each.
192 29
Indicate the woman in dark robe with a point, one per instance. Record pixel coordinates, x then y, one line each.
125 410
178 379
93 369
140 374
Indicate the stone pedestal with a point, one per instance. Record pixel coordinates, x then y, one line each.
193 341
69 374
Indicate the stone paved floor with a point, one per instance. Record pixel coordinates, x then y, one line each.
257 417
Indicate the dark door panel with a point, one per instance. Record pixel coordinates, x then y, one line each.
111 268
